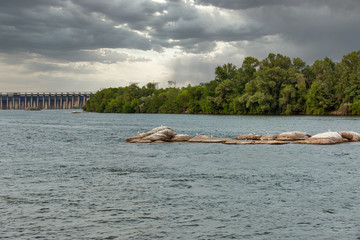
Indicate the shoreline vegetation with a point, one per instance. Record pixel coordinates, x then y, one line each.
276 85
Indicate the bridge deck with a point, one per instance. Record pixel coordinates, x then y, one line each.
43 100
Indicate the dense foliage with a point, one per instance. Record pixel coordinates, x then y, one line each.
274 85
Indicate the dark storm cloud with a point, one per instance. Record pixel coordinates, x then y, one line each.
137 14
65 30
245 4
314 29
46 27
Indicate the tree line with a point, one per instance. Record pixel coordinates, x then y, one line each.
274 85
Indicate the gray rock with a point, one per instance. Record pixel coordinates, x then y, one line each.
207 139
268 137
251 136
351 136
180 138
292 136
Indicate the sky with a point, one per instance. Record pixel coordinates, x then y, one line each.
88 45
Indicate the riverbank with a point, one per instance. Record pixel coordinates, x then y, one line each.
275 85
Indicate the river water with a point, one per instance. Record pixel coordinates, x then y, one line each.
72 176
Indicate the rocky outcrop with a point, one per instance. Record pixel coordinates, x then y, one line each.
180 138
252 142
271 142
137 140
159 134
268 137
326 138
207 139
292 136
165 134
351 136
251 136
169 130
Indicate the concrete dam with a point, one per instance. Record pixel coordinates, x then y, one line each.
46 100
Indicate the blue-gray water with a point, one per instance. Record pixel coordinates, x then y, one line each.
72 176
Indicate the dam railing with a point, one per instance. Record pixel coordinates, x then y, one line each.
43 100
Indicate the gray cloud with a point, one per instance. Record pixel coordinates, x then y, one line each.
50 26
52 67
47 27
192 70
314 31
245 4
106 56
76 31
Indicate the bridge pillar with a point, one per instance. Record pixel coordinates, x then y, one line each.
43 100
67 101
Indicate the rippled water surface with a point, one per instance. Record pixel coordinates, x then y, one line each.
72 176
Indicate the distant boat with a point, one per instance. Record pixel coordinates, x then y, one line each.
75 112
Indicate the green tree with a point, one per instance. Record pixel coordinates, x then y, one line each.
321 98
348 86
274 85
287 100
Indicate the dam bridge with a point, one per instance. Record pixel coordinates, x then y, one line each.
43 100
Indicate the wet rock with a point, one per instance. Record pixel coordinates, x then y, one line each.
316 141
351 136
251 142
162 133
326 138
137 137
159 136
207 139
165 134
251 136
334 136
292 136
271 142
180 138
163 129
238 142
231 141
268 137
131 139
139 140
159 141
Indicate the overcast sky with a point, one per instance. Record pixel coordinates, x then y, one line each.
86 45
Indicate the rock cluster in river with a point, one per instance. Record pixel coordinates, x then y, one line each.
166 134
159 134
